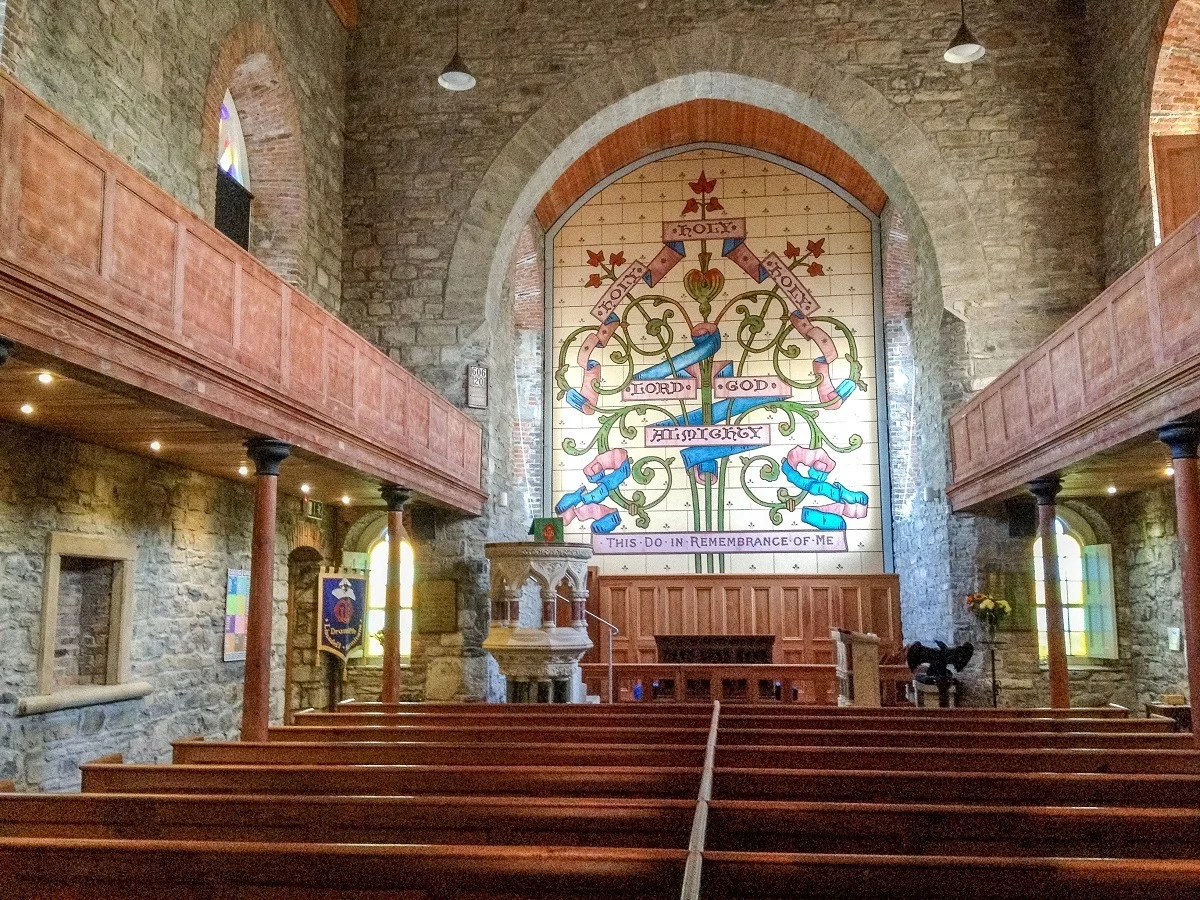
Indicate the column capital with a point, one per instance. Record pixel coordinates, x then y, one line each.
1182 437
1046 489
267 454
395 496
6 348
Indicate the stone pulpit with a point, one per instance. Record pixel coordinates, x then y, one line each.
538 658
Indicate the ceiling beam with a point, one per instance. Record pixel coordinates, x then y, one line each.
347 11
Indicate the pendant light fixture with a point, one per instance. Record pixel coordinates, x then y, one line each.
455 76
964 48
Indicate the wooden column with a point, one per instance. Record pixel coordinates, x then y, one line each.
1183 438
395 497
267 454
1046 491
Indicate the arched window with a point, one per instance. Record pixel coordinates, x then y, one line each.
1085 586
232 216
231 144
376 592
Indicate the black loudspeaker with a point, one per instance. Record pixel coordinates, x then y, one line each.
423 520
1022 517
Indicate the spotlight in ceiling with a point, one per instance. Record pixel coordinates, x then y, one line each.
965 48
455 76
345 499
45 377
27 409
243 471
304 488
156 446
1112 488
1170 471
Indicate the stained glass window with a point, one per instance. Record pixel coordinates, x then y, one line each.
716 381
231 145
377 590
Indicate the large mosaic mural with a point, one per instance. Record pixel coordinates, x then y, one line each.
714 401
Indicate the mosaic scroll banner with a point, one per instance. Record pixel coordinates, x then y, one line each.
715 403
237 605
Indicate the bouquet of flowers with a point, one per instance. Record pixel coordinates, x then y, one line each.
988 610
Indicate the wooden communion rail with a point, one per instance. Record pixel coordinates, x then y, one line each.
677 800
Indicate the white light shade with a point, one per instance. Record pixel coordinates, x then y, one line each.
455 76
964 48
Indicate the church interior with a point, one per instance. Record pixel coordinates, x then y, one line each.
462 449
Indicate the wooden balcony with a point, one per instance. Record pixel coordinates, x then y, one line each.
106 277
1086 401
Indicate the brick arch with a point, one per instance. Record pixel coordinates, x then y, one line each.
250 66
710 121
844 109
307 535
1175 95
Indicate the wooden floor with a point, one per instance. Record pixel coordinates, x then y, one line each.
430 801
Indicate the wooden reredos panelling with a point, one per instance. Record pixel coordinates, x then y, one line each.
798 610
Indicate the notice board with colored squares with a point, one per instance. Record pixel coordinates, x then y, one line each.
237 604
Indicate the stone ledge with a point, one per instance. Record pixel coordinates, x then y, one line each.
92 695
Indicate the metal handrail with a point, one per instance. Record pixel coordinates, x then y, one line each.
612 630
690 889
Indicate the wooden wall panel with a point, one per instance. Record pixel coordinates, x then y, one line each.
1120 368
101 269
798 610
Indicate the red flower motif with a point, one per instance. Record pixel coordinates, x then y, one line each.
595 258
792 251
595 280
702 185
616 259
713 204
815 269
816 248
690 207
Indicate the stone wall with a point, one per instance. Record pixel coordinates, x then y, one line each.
189 530
1124 41
529 322
133 75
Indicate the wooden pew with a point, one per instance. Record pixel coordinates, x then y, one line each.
952 829
191 870
510 756
338 780
962 759
763 876
998 740
972 788
389 820
734 709
869 720
494 734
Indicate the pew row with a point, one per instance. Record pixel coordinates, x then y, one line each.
952 829
678 782
972 788
733 875
375 820
211 870
651 735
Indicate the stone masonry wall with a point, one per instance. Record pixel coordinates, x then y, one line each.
1021 152
189 530
133 75
1124 40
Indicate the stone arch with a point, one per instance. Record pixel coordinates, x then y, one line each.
306 535
845 109
250 66
365 531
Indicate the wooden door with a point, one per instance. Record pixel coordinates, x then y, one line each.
1177 178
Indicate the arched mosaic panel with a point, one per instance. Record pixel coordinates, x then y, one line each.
714 371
